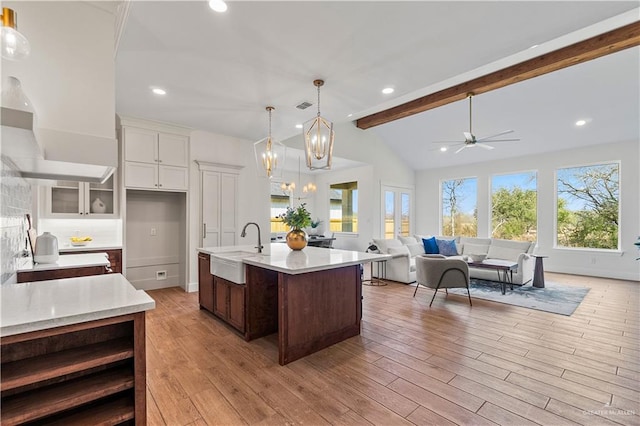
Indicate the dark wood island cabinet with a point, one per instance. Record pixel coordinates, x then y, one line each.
311 298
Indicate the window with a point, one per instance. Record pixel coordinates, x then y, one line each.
514 206
588 206
279 204
343 205
459 210
396 211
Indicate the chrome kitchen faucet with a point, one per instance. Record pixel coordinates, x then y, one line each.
244 234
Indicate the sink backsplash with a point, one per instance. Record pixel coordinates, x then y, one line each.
16 202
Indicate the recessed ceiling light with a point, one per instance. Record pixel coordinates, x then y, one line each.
298 126
218 5
534 46
387 90
159 91
581 122
350 115
443 148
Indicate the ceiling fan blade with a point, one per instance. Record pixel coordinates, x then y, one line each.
493 136
445 142
461 148
481 145
498 140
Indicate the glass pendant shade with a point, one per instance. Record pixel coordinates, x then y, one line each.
318 139
270 154
15 46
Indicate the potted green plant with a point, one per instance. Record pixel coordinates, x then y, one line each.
297 218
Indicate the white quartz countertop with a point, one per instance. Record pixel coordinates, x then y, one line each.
42 305
310 259
66 262
89 247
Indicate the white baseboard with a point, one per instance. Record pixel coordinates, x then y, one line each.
191 287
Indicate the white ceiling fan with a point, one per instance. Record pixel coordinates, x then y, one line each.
470 140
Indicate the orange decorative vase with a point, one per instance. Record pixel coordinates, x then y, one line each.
296 239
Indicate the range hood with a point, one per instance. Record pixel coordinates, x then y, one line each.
19 144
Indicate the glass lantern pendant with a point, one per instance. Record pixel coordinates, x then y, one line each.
15 46
318 139
270 154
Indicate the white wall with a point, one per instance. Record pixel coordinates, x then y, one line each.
253 191
69 77
575 261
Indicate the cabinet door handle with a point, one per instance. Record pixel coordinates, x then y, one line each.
160 185
204 231
81 213
159 161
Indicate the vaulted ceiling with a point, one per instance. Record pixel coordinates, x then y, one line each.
220 71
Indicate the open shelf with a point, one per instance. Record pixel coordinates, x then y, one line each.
86 373
40 368
52 399
113 412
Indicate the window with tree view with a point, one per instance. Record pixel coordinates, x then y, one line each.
514 206
343 207
588 206
459 207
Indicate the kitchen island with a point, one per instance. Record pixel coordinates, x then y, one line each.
73 351
312 298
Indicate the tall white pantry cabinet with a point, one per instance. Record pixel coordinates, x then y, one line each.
218 204
154 174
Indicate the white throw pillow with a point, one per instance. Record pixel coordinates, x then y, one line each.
399 250
497 252
407 240
474 248
415 249
384 245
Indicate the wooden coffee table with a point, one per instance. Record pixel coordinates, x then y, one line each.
504 268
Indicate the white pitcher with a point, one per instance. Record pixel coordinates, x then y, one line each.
46 249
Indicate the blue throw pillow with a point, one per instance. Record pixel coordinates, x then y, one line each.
430 245
447 247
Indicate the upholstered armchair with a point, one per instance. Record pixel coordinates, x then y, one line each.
436 271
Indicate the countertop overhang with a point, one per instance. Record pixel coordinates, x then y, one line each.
85 260
42 305
310 259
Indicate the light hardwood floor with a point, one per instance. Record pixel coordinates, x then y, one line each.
449 364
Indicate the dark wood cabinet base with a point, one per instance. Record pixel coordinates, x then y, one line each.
309 311
88 373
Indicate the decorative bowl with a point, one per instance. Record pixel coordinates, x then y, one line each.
79 243
477 258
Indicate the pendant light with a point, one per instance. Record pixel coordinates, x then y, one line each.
15 46
289 188
318 138
270 154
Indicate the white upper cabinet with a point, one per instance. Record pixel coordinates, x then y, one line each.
155 160
71 199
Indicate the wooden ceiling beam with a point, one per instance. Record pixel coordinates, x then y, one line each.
585 50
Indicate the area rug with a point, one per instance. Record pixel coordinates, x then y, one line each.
555 298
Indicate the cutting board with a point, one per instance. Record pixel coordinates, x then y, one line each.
32 234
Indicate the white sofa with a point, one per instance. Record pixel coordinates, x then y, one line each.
402 266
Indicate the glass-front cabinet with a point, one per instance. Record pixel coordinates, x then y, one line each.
82 199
